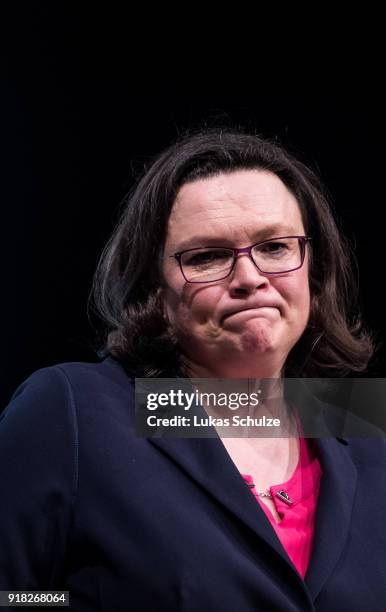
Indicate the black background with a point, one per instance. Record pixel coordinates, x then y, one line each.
84 106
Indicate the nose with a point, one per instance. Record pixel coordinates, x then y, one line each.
245 277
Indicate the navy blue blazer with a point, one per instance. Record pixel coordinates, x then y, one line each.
132 524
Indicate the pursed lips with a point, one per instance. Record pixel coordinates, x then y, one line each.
238 310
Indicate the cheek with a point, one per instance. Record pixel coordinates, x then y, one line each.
204 301
296 292
191 304
303 288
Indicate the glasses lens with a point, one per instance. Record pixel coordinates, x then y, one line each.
280 255
206 264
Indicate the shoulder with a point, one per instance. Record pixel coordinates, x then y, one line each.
108 371
364 442
368 452
65 380
59 394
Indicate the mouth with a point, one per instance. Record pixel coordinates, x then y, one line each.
247 312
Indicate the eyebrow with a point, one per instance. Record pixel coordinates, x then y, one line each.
270 231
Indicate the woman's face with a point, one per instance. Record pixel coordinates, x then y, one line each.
246 324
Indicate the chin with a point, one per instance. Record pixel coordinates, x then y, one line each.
259 340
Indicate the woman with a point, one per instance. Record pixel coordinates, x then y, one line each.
226 264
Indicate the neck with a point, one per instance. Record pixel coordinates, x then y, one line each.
253 396
268 370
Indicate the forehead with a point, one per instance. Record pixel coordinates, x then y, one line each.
237 205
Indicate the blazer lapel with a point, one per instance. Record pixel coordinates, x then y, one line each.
208 463
333 514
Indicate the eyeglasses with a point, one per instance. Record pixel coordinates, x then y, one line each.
273 256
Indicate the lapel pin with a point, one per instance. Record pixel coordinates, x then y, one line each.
284 497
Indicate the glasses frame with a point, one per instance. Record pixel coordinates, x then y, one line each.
236 251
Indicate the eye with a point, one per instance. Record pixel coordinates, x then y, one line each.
206 257
273 247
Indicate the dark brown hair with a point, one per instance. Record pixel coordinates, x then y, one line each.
126 290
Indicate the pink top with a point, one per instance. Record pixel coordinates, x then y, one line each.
296 528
